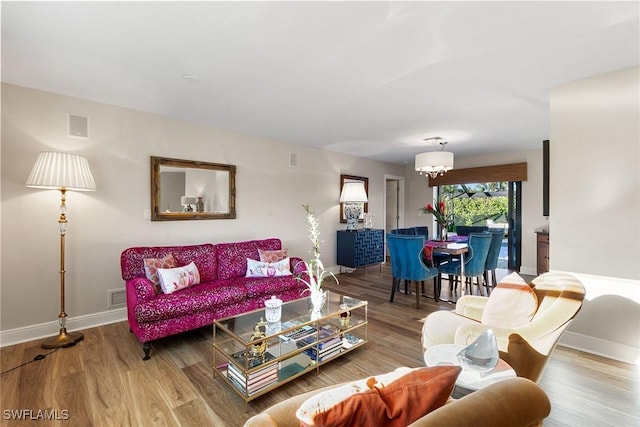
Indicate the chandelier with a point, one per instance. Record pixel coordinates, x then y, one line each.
434 163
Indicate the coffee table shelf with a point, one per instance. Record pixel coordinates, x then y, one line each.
301 342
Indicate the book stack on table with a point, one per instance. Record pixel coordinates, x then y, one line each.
325 349
256 380
304 333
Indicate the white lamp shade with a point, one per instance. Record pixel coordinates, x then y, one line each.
353 192
188 200
434 161
61 170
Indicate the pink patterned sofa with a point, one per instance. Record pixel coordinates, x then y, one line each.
223 290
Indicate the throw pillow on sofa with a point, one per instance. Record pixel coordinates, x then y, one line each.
394 399
151 266
272 256
174 279
268 269
511 304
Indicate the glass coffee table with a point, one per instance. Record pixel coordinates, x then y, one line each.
254 357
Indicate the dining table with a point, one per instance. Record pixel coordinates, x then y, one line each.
453 246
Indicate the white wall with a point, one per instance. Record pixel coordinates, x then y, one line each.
420 193
595 206
595 148
104 222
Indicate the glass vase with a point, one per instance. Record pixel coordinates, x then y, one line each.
443 233
318 299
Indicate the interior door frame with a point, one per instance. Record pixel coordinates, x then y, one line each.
400 204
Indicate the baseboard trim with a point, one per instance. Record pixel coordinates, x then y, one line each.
48 329
600 347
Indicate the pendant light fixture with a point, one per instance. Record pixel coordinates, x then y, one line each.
435 163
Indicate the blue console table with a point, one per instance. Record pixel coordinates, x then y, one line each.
360 248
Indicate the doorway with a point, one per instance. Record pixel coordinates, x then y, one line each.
393 203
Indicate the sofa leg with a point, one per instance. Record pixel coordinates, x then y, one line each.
146 347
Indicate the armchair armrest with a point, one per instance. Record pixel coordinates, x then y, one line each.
142 287
513 402
471 306
297 266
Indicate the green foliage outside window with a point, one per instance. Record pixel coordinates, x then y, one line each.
470 209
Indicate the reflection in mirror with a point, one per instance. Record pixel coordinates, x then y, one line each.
184 189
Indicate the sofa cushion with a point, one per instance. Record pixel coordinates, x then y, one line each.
267 269
394 399
197 298
132 259
151 266
273 256
232 257
511 304
174 279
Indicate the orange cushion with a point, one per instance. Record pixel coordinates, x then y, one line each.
395 399
151 266
511 304
272 256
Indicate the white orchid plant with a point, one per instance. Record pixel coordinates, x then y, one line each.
314 267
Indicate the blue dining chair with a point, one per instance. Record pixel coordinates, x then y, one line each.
406 263
421 230
491 263
409 231
474 261
430 258
465 230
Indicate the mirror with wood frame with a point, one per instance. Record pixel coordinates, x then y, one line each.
187 189
364 206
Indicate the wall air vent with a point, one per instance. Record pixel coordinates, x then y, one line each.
116 298
78 126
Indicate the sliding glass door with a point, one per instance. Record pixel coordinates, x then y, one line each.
495 205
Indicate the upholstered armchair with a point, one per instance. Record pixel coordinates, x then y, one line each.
526 347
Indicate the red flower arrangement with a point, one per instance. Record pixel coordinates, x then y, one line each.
439 212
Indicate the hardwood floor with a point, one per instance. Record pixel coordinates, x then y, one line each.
103 381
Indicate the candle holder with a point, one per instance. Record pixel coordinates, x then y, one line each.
345 317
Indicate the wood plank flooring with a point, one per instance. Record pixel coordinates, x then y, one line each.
103 381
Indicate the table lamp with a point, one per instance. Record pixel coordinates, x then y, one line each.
353 193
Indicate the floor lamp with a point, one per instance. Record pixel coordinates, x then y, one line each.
62 171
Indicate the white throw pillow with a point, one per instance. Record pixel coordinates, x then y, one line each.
511 304
268 269
174 279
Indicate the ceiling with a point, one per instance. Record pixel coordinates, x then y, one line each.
372 79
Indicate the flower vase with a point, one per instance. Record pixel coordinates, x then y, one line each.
443 233
318 299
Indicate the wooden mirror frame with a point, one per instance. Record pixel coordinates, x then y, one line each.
350 178
156 211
